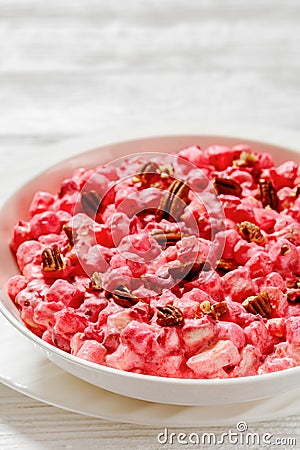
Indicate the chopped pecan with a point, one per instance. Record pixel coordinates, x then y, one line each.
123 297
166 170
169 316
90 202
95 282
71 235
146 173
205 307
297 193
285 249
258 304
52 260
224 266
219 309
173 201
246 159
227 186
293 295
251 232
187 271
167 237
268 194
214 310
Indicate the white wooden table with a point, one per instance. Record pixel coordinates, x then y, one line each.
71 68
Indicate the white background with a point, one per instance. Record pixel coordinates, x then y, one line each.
72 68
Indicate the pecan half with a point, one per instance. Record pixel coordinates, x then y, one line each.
146 173
258 304
123 297
95 282
90 202
71 235
268 194
169 316
187 271
227 186
224 266
173 201
251 232
52 260
167 237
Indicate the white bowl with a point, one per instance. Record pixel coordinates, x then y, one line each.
144 387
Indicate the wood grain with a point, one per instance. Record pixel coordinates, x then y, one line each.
68 69
26 423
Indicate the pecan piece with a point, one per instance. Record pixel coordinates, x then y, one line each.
251 232
227 186
90 202
52 260
187 271
268 194
71 235
166 171
219 309
259 304
169 316
167 237
123 297
216 310
224 266
146 173
95 282
246 159
205 307
173 201
285 249
293 295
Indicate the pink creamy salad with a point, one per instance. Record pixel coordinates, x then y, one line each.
183 265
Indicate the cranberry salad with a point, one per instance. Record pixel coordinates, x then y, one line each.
183 265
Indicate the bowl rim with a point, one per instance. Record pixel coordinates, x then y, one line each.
197 382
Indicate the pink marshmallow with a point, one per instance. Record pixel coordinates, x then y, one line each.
65 292
223 354
45 223
42 202
92 351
